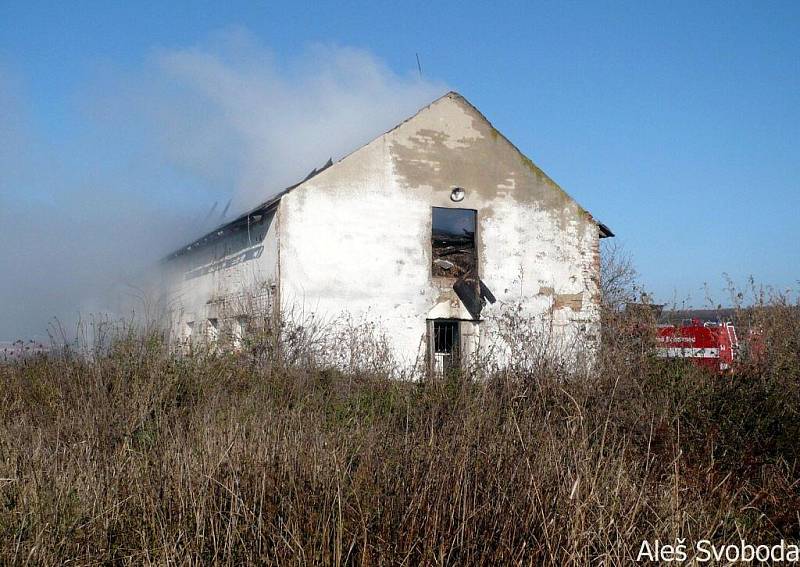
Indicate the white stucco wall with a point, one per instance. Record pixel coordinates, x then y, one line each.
357 237
352 242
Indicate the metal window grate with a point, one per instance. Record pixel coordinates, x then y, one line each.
446 347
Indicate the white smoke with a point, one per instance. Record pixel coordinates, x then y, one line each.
232 113
227 119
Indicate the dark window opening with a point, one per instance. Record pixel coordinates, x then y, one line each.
453 241
446 347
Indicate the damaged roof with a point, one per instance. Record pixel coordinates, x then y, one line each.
605 232
254 215
243 221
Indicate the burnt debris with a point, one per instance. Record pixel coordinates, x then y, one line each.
453 242
473 293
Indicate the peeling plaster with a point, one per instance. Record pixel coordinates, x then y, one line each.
356 238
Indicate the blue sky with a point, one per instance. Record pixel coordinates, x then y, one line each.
677 124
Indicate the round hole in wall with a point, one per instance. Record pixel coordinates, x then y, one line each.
457 194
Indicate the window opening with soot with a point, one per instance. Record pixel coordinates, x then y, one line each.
453 242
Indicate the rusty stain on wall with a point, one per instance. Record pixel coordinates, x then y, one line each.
572 301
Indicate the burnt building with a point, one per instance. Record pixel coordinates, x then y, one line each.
430 230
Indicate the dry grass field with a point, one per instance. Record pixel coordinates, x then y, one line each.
136 455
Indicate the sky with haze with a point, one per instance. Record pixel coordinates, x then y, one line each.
677 124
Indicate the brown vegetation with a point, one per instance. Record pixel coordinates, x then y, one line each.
135 455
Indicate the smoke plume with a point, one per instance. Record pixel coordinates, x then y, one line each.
149 150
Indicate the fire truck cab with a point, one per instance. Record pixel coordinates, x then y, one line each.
708 345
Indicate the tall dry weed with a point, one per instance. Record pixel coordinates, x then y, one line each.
276 454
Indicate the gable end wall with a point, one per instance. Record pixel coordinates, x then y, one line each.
356 238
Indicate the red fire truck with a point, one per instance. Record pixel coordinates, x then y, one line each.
711 345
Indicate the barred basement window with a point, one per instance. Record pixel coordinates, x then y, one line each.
453 242
445 346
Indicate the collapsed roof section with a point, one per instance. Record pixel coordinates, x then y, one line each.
254 215
244 221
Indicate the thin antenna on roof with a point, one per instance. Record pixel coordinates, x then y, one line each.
419 65
225 210
211 212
